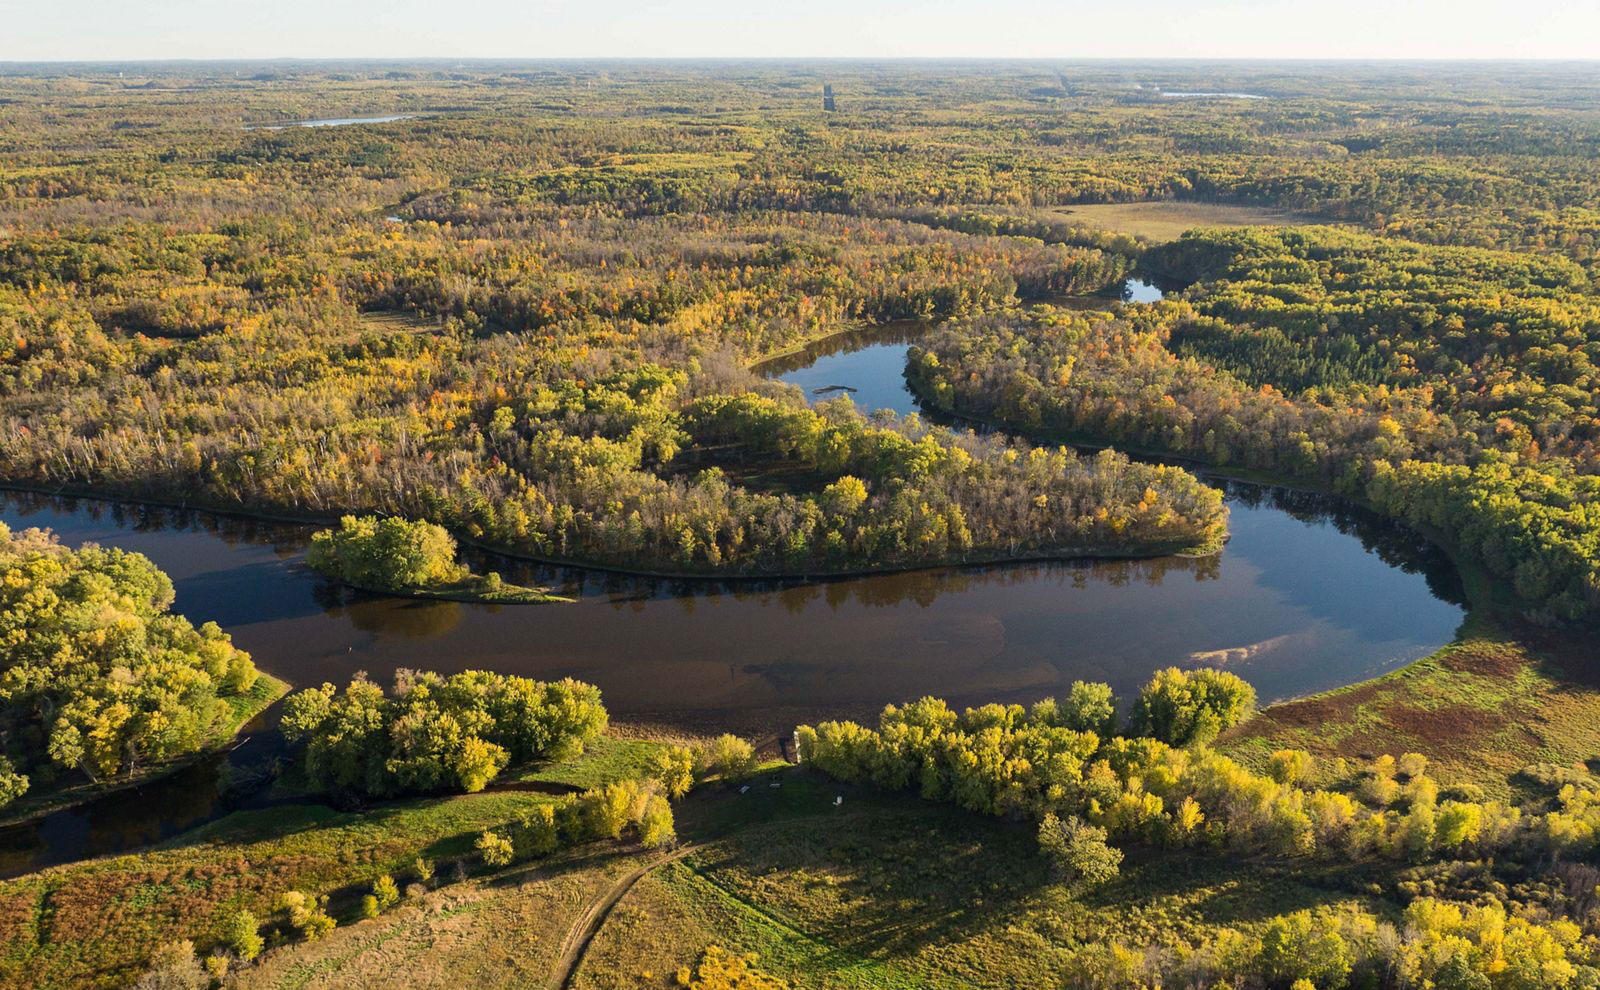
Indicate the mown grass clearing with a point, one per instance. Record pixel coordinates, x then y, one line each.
889 892
1165 220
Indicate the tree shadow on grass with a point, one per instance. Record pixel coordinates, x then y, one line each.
881 881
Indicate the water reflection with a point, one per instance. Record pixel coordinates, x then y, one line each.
1310 593
868 364
1372 594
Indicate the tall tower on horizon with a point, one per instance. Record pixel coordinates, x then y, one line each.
827 98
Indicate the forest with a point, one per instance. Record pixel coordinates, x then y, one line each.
526 317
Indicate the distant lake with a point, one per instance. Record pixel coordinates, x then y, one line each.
330 122
1201 95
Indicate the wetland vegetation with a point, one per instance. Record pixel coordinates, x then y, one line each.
1150 379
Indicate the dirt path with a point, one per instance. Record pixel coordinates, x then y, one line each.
588 925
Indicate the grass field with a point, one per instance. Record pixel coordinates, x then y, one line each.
1482 709
1164 220
881 891
83 924
501 932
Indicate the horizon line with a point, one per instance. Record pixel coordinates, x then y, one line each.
1260 59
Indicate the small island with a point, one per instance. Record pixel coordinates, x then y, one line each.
409 557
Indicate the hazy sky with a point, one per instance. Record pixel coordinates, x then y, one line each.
135 29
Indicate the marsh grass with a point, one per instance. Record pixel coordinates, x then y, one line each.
1481 709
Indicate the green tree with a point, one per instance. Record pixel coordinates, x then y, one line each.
656 827
436 733
1303 946
674 770
96 676
1079 851
1181 708
1088 707
389 553
611 808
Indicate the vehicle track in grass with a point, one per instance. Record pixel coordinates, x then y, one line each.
583 931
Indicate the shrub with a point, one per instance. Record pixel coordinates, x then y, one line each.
307 914
369 906
1412 765
174 967
1290 766
242 935
495 849
728 757
385 892
12 784
719 969
537 833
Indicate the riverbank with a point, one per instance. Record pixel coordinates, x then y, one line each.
471 590
1486 708
1483 592
1501 696
1181 549
243 709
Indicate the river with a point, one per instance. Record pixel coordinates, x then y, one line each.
1310 593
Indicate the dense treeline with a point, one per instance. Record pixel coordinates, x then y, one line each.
541 442
97 678
607 468
1434 944
1043 762
1452 388
436 733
